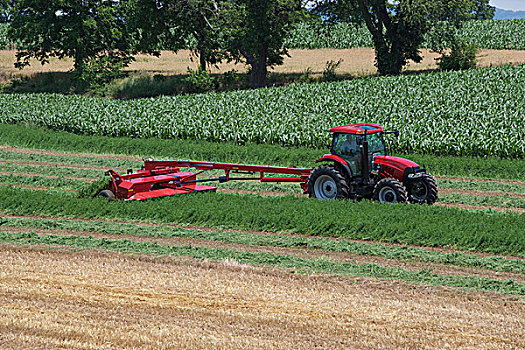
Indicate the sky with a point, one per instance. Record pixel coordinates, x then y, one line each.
515 5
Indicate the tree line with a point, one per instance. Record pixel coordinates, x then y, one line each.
103 36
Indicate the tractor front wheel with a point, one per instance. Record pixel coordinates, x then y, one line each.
424 190
326 182
390 190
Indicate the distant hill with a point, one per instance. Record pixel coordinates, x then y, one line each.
507 14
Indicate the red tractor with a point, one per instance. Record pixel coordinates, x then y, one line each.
361 169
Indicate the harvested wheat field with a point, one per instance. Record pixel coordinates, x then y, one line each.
357 62
56 298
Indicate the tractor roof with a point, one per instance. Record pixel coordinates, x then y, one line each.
358 128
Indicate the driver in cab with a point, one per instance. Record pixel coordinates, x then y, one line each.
349 146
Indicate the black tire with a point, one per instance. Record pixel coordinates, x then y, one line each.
424 191
326 182
107 194
390 190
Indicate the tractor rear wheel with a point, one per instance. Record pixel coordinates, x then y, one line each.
326 182
424 190
390 190
107 194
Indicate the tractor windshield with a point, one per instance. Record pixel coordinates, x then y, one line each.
376 144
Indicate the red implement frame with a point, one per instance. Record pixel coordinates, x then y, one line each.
162 178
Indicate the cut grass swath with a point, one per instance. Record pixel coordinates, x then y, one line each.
499 233
494 263
262 258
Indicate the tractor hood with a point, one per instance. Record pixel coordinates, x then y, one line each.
396 167
399 162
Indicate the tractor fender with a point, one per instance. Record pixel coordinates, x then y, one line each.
337 160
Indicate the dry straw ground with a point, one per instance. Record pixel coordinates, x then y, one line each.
356 62
87 300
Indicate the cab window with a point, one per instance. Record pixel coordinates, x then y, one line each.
346 145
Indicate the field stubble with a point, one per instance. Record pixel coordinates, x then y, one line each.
89 299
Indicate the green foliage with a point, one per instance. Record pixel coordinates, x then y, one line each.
494 263
258 32
6 10
4 41
502 201
499 233
397 28
329 71
473 185
199 81
467 113
263 258
483 10
103 69
207 21
142 86
39 181
462 56
318 35
93 33
495 34
488 34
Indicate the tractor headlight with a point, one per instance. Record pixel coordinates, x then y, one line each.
415 175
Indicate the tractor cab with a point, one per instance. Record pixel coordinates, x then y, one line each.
348 143
361 168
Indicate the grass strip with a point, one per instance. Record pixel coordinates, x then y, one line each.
52 170
504 201
481 186
268 259
70 159
494 263
499 233
58 183
43 138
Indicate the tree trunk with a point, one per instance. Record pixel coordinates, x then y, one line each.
259 69
202 58
79 63
389 61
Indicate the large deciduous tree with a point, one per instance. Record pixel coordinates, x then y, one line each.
92 32
398 28
170 24
259 33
